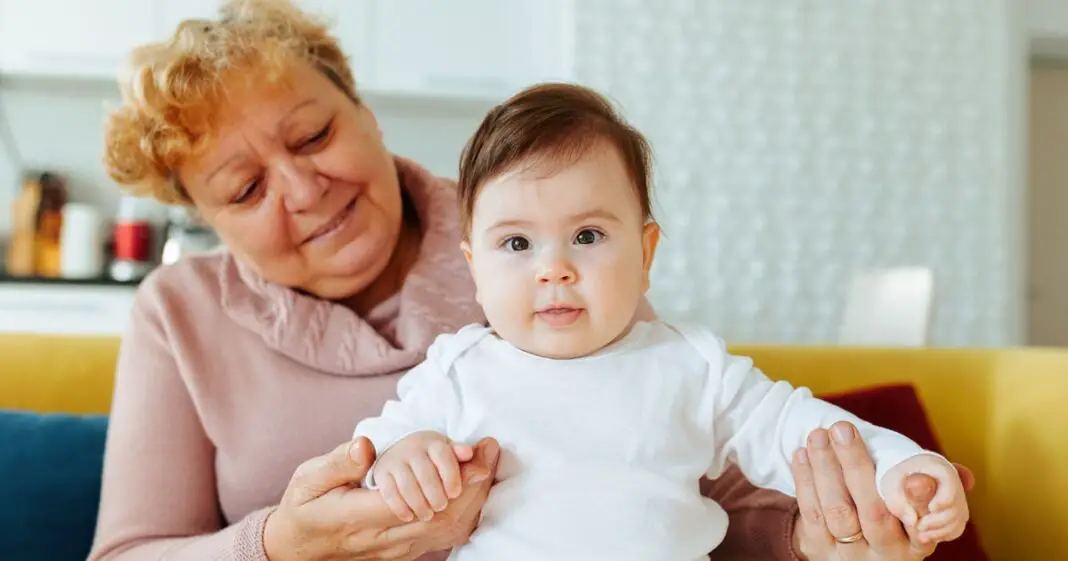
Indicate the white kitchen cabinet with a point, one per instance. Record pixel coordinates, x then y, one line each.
169 13
65 38
70 309
347 19
350 22
470 47
481 49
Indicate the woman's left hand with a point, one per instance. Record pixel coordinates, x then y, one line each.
839 500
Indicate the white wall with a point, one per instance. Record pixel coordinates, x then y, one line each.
1047 23
1047 18
795 143
798 142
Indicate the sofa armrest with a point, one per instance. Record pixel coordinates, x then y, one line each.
1028 456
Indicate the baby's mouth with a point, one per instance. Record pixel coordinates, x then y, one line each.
559 315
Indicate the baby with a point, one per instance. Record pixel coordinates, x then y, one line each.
607 418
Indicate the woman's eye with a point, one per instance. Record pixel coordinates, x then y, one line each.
319 136
315 139
587 237
247 192
517 243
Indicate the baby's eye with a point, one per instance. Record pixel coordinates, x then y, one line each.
517 243
588 236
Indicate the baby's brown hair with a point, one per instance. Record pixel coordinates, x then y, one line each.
552 124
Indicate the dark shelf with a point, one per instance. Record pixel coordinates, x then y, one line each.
101 281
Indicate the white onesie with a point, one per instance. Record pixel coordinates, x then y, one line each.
601 455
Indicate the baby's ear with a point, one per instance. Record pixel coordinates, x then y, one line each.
465 247
650 239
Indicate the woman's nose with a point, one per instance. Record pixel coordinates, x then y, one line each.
558 271
304 187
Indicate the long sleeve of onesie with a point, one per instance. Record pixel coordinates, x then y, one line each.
759 423
425 398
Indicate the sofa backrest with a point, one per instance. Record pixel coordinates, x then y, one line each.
1001 412
998 411
57 373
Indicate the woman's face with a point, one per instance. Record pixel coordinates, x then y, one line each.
299 185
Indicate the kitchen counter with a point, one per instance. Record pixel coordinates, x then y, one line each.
65 306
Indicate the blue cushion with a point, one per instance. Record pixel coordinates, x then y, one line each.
50 466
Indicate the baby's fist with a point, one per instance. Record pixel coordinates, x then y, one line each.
420 474
947 512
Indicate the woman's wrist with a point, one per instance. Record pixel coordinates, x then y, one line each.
273 548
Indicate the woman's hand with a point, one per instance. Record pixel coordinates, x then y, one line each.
839 500
325 515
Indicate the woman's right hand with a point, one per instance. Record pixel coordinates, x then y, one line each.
325 514
842 516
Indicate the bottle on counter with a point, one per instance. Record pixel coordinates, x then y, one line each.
37 221
135 252
19 258
48 249
82 243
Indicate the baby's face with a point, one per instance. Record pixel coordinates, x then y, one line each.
561 261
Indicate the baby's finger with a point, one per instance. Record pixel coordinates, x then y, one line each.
412 492
387 487
967 478
901 509
941 535
448 468
947 496
940 520
426 473
949 487
463 452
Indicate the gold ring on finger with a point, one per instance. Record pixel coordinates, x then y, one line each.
851 539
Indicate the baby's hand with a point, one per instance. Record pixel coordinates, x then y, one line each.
948 510
418 475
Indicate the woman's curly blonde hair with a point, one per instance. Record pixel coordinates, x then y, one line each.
171 89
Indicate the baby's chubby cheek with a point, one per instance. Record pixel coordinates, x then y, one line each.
503 302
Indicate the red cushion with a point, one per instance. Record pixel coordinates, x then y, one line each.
898 408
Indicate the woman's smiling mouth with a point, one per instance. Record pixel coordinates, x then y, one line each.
334 224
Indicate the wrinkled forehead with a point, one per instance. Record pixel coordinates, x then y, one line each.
250 102
250 95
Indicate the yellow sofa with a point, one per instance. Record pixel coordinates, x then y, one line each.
1003 413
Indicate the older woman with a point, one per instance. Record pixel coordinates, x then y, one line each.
243 372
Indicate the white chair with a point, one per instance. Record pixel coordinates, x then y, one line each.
889 307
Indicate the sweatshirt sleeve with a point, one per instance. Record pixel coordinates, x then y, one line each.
758 424
762 521
158 497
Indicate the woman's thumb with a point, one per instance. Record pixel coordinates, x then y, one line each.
920 490
351 464
343 466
